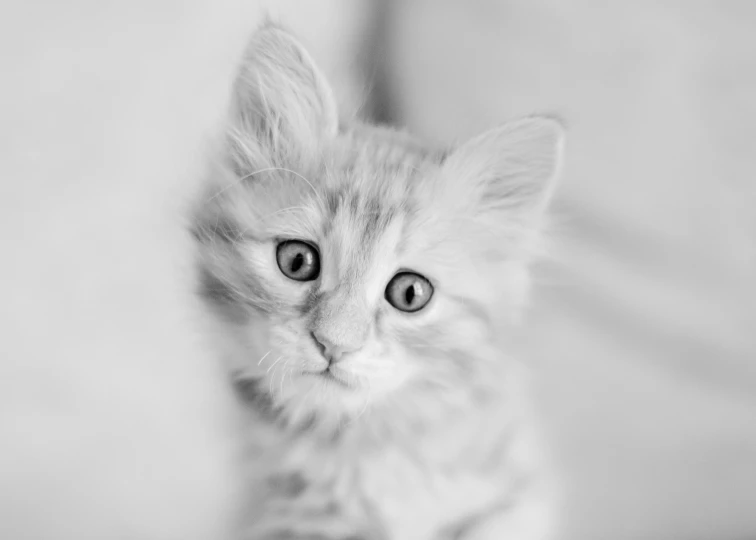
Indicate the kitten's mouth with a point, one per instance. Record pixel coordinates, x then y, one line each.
331 376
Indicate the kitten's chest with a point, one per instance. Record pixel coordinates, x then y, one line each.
416 501
389 494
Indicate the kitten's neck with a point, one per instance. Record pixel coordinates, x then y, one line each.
418 414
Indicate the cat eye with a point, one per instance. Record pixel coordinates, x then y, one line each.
409 292
298 260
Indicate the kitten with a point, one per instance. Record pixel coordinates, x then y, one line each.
361 283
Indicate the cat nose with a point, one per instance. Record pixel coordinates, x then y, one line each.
330 348
340 325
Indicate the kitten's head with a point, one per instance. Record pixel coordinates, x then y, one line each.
347 265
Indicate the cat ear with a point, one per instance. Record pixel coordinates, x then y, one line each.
512 169
282 104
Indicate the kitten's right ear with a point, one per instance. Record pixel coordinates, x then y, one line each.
512 168
282 105
505 178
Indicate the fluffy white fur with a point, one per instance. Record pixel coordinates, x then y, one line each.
428 433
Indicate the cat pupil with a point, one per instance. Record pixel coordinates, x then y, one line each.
297 263
409 294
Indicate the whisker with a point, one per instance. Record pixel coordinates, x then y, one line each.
291 376
239 183
367 402
273 376
289 209
264 357
274 364
285 368
250 175
314 191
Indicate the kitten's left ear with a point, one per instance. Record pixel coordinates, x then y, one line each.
281 101
512 170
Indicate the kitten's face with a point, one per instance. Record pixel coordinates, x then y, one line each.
349 289
349 267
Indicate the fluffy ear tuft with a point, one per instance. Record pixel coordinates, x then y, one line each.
512 168
282 105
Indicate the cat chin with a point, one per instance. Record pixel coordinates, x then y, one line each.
331 399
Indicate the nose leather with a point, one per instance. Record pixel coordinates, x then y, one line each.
332 351
340 326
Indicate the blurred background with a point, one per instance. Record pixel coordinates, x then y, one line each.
642 335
